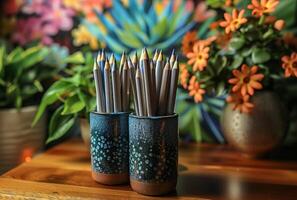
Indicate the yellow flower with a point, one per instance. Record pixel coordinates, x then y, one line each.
234 21
263 7
83 36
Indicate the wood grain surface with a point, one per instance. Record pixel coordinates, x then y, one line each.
205 172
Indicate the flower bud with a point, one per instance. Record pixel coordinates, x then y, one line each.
279 24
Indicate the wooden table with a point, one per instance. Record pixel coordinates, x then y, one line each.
205 172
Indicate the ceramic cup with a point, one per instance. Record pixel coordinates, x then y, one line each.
109 147
153 154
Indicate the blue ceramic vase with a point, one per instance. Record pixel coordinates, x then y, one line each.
153 154
109 147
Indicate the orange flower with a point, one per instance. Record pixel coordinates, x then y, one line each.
233 22
195 90
290 40
223 40
263 7
240 102
214 25
279 24
188 41
246 80
184 76
199 56
290 65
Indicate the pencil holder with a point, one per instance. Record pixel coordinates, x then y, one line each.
153 154
109 147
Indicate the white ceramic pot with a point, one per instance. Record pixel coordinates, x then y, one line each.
18 140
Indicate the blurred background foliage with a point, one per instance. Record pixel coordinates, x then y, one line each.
85 26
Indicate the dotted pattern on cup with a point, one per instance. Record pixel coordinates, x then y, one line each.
109 143
153 149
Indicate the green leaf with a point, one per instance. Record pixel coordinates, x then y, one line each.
160 29
38 85
260 56
62 130
76 58
129 40
2 57
236 43
88 100
51 95
14 55
73 105
237 61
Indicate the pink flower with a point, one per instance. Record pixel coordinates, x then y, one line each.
57 17
34 6
202 13
30 29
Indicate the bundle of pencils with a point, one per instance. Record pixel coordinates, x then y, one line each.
111 83
154 83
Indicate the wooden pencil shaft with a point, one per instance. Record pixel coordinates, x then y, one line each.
141 70
125 79
115 88
162 108
108 92
158 77
146 72
133 85
99 91
172 90
154 101
139 93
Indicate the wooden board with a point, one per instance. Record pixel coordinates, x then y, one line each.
205 172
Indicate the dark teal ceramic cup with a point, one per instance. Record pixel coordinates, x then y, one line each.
153 154
109 147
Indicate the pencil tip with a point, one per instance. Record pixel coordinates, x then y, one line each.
95 65
160 57
175 65
107 66
155 55
111 59
98 56
123 58
172 57
103 56
144 55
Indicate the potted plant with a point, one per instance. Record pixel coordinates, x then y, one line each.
74 97
22 80
247 60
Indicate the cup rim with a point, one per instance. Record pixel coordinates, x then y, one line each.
110 114
132 115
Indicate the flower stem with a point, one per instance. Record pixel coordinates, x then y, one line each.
261 20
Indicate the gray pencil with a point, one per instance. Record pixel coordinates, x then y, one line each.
132 83
154 102
158 74
162 108
172 58
142 88
146 71
135 60
116 90
155 57
173 88
139 93
99 88
125 79
107 85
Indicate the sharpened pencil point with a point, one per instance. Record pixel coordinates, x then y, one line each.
155 55
160 57
95 66
144 54
107 66
103 56
173 56
98 56
111 59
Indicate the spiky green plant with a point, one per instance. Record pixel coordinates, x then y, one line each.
139 25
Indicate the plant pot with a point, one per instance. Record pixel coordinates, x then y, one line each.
18 140
259 131
85 131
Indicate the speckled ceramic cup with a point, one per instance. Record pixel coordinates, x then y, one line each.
109 147
153 154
